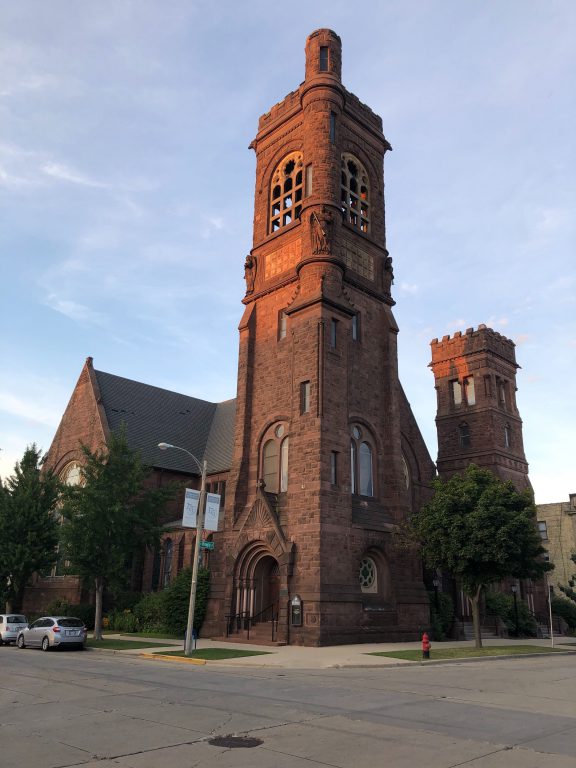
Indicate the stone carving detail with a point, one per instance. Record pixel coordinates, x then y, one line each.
321 232
388 274
250 273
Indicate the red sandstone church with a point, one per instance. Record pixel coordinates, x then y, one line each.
319 457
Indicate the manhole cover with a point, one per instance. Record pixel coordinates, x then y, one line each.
234 742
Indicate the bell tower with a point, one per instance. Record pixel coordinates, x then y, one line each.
477 419
327 457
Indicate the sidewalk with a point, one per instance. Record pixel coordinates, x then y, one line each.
335 657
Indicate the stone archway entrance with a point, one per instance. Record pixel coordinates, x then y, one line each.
256 592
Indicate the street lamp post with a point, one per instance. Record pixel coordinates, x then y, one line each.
199 529
514 591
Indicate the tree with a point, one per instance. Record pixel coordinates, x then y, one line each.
481 530
109 517
28 525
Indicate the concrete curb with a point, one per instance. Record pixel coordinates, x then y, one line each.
181 659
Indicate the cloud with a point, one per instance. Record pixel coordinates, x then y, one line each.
77 312
409 289
63 173
28 409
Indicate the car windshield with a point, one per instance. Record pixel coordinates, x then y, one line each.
16 620
70 622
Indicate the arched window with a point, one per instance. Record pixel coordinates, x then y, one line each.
507 436
464 435
168 552
406 472
275 453
71 474
286 192
368 575
361 463
354 193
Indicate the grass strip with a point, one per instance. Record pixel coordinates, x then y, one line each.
116 644
467 653
155 635
215 654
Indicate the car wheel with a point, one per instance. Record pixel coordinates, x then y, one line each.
1 641
20 642
45 644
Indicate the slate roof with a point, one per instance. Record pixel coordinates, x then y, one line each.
153 415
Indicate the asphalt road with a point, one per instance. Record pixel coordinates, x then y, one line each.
94 709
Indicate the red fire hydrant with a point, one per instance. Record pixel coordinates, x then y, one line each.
425 646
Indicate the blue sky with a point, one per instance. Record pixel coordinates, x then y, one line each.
126 192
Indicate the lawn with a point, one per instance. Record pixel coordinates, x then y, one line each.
468 653
117 645
215 654
155 635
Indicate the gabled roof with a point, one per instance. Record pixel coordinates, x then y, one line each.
152 415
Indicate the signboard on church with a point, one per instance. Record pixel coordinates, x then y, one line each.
190 514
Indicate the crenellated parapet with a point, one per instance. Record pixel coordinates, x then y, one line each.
481 340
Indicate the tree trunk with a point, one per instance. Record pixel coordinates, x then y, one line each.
8 607
475 600
98 609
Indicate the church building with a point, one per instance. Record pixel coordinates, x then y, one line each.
319 460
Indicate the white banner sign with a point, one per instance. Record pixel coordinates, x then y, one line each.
191 500
190 514
212 511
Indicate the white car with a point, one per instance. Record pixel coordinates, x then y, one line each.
53 632
10 625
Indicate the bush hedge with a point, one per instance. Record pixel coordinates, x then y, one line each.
441 615
566 609
502 606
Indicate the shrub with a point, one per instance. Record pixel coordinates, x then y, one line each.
122 621
502 606
441 615
148 612
83 611
566 609
176 598
123 600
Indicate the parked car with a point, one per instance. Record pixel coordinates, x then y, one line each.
53 632
10 625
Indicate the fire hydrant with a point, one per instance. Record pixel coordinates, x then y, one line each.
425 646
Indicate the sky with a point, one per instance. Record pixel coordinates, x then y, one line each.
126 191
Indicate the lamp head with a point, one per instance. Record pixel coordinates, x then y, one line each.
165 446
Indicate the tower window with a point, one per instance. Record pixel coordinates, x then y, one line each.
470 391
501 385
275 459
361 464
305 397
308 190
456 392
333 333
355 328
323 58
286 192
354 193
368 576
282 325
332 127
464 434
507 436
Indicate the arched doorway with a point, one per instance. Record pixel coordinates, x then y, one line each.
257 584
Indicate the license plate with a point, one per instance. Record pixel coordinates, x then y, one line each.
72 633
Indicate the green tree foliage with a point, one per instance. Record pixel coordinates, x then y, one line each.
481 530
517 618
109 517
566 609
176 597
28 525
441 614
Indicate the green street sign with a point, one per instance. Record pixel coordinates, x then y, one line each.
206 545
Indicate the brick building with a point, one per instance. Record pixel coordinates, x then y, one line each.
557 526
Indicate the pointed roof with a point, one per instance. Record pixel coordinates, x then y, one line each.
153 415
